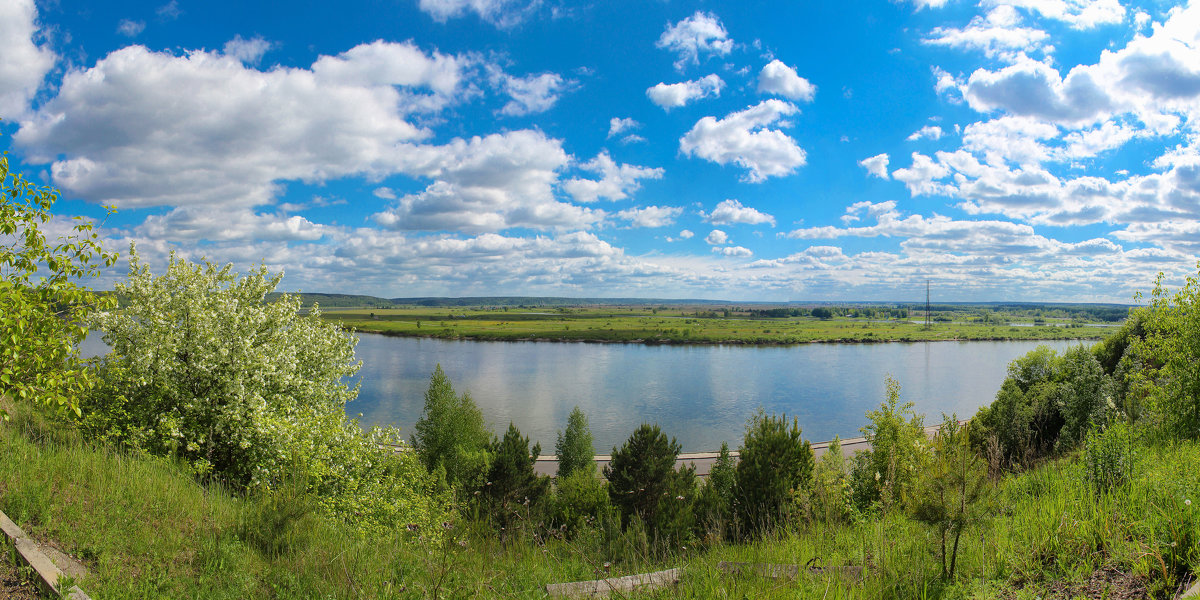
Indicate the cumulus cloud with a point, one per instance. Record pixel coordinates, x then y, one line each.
743 138
617 126
143 128
675 95
651 216
1035 89
997 35
701 33
25 62
876 165
501 13
922 175
210 225
932 132
737 251
616 181
1078 14
532 94
731 211
782 80
716 237
686 234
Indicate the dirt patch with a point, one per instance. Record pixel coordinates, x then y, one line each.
1103 583
13 585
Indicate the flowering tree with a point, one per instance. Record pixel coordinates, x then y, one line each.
42 307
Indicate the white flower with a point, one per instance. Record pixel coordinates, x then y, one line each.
1187 502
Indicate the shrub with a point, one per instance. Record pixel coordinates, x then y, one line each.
203 367
574 447
43 312
774 463
511 480
714 505
1171 353
887 471
450 436
580 500
952 491
830 500
643 484
1109 456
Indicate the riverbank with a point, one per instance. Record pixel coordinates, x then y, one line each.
646 328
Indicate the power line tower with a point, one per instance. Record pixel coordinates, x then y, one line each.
926 304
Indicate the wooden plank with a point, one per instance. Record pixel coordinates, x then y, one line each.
778 571
33 556
601 588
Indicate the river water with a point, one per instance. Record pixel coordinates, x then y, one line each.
702 395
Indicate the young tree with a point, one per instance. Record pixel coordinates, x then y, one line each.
774 463
714 506
1171 353
511 480
43 310
574 447
952 491
898 448
643 482
451 437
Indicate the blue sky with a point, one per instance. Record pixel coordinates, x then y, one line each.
1014 150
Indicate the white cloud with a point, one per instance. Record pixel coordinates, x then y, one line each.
997 35
533 94
737 251
248 51
616 181
743 138
130 28
932 132
1079 14
144 128
729 212
920 177
675 95
716 237
651 216
1035 89
492 183
700 33
501 13
921 4
782 80
216 225
25 63
686 234
876 165
617 126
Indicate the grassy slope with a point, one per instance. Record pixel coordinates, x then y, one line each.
671 326
145 529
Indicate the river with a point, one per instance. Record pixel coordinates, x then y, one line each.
702 395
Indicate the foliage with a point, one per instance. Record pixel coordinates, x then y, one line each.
203 368
774 463
248 392
831 497
43 310
898 449
1171 354
952 492
511 480
1109 455
451 437
574 447
580 501
644 484
714 505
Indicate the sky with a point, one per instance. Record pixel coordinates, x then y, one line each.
1005 150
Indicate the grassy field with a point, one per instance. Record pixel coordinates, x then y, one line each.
144 528
651 325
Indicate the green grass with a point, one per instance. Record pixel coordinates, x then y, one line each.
145 528
679 326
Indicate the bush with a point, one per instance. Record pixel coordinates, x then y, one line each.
774 463
830 500
1171 353
248 391
884 474
451 437
512 485
580 501
43 312
574 447
644 486
714 505
1109 456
